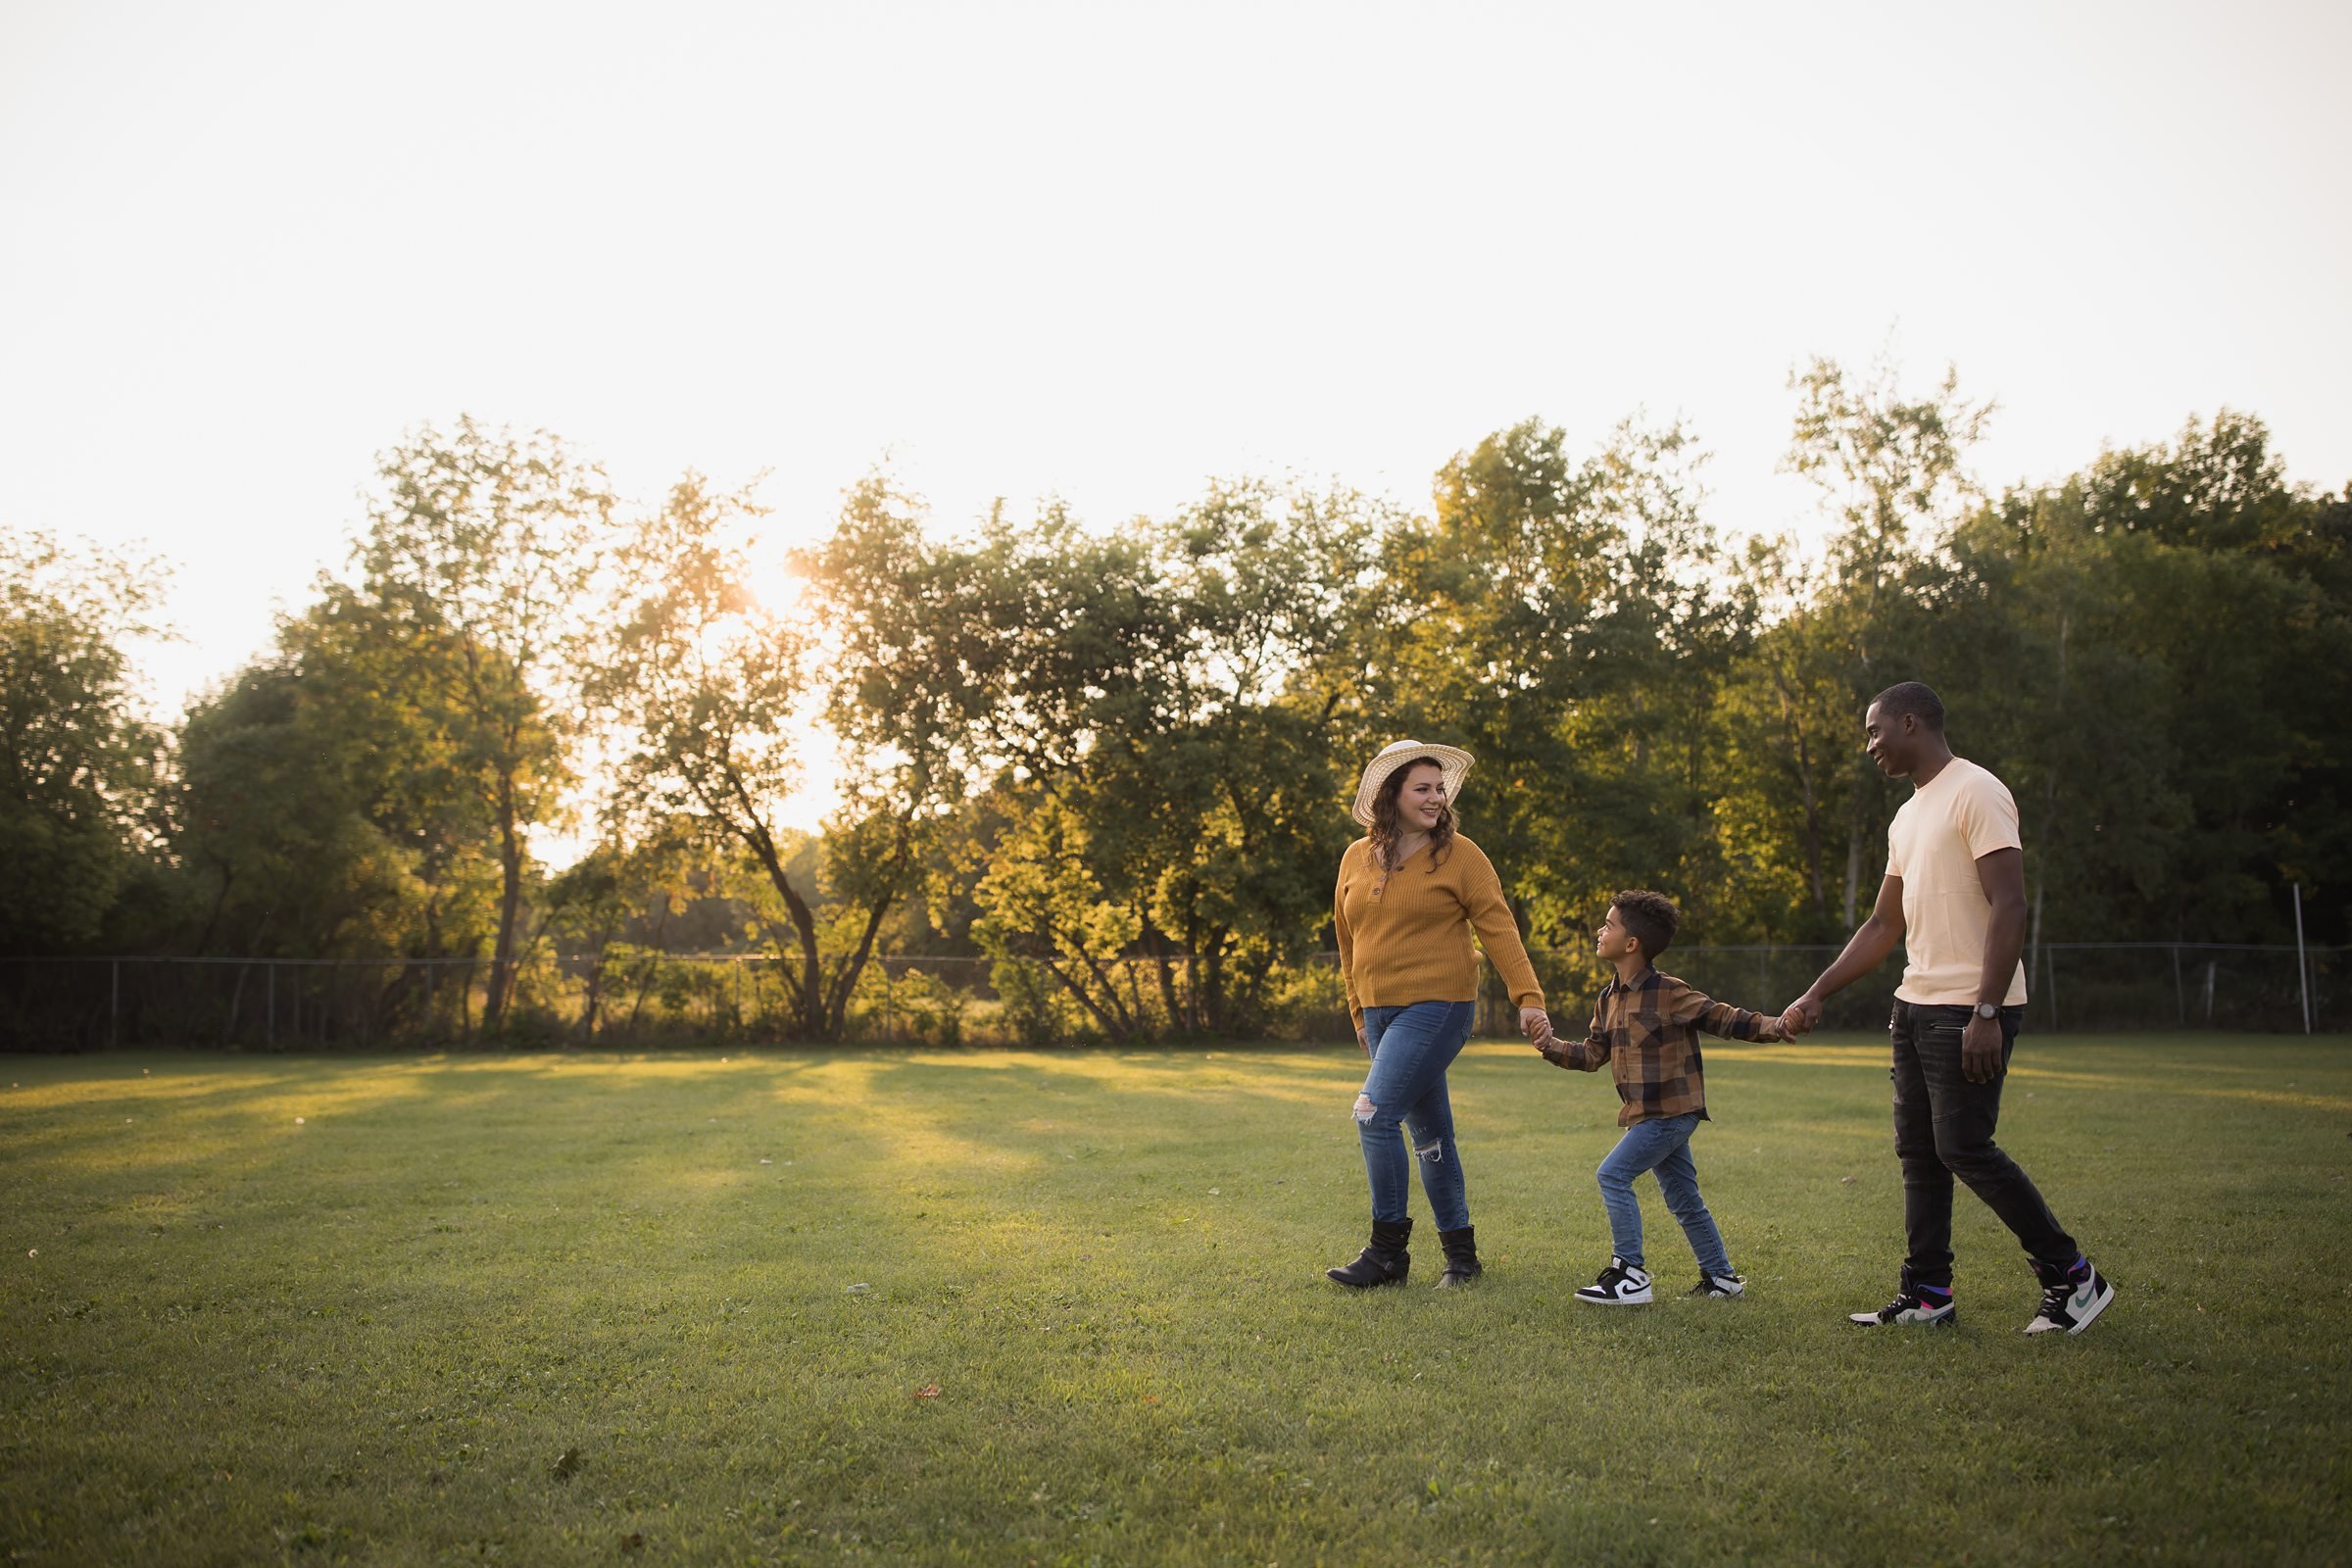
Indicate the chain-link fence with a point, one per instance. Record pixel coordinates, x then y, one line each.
2072 986
650 999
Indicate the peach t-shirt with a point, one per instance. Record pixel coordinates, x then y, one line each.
1933 844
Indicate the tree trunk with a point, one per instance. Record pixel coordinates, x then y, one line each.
432 951
1853 864
845 983
1189 1021
751 830
212 919
596 982
236 994
1135 994
808 994
649 968
236 997
813 977
1156 943
510 902
1212 1011
2041 883
1125 1025
1254 987
1793 721
1113 1028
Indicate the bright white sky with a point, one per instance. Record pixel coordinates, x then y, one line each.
1106 251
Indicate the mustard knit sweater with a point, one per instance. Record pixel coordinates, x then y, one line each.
1405 935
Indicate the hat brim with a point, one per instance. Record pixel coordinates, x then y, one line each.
1453 765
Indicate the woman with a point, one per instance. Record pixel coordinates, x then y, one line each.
1409 894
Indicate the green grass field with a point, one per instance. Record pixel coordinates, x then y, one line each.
1002 1308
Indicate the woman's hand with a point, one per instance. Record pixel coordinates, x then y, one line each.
1536 1025
1363 1041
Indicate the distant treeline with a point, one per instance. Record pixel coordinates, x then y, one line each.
1122 756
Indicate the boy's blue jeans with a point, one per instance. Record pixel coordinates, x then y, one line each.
1412 1049
1662 1146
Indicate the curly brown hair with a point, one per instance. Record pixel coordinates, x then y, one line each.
1650 918
1387 830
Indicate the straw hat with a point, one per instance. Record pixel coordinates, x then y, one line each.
1453 762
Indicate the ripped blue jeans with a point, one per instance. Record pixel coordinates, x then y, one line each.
1412 1049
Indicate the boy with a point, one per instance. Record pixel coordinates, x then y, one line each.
1645 1026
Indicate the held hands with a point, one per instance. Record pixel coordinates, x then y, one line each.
1802 1016
1536 1025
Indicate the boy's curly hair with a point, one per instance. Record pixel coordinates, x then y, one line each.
1651 918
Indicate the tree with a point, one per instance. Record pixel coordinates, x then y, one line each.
1222 821
1041 902
1890 468
1005 662
593 901
711 696
1785 709
1130 733
2170 755
79 766
477 557
1541 618
1481 636
275 822
1886 466
1016 651
1645 729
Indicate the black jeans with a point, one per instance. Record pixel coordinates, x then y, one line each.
1943 1128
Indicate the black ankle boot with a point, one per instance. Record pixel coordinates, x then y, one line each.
1384 1262
1461 1256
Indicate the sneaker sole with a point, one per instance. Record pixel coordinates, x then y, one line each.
1641 1300
1872 1320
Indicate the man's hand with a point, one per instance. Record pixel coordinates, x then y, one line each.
1800 1017
1981 1050
1536 1025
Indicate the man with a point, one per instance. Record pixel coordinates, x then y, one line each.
1955 897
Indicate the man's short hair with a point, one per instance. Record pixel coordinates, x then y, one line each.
1651 918
1915 698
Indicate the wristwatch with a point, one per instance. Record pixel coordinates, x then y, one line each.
1986 1009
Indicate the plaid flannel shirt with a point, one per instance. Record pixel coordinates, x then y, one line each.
1647 1033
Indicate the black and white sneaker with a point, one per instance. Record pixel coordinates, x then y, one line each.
1910 1309
1720 1285
1618 1285
2070 1298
